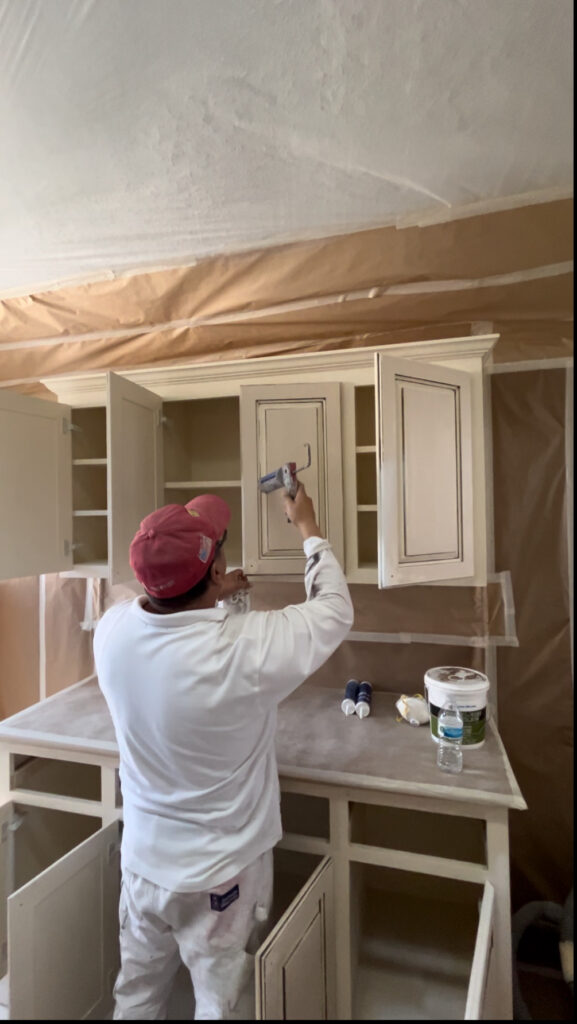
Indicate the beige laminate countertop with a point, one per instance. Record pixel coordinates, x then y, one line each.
315 742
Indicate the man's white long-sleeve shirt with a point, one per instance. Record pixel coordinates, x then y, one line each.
193 697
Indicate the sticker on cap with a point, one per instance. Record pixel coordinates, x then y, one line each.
205 548
192 512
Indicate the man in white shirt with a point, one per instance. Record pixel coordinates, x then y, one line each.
193 692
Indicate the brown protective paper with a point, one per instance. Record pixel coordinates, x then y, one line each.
67 662
19 645
475 247
395 668
443 611
260 284
535 680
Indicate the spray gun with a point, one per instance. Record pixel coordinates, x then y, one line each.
285 476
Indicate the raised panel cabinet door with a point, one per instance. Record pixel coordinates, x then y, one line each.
277 422
134 442
35 486
63 935
295 966
425 466
477 991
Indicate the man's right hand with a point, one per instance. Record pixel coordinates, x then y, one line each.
300 511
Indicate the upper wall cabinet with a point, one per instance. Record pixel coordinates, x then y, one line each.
398 470
425 473
277 423
76 483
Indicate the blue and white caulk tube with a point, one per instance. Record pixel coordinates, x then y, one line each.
364 697
351 695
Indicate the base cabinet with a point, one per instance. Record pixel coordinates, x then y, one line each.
421 945
60 879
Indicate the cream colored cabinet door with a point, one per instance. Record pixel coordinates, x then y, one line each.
425 467
135 479
277 422
295 966
35 486
63 935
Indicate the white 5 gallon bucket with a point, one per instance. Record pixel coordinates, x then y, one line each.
468 690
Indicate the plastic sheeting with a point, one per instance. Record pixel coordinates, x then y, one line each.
19 644
535 680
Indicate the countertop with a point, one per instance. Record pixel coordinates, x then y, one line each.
315 742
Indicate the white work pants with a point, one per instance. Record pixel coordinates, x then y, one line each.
159 928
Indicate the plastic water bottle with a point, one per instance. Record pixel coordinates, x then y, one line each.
450 732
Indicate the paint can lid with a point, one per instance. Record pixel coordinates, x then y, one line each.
457 678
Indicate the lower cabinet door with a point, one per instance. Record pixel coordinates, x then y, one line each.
480 967
295 966
63 932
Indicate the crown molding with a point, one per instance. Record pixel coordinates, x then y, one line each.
193 379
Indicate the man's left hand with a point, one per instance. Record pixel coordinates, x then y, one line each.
233 582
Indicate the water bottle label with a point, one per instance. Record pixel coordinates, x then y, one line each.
451 734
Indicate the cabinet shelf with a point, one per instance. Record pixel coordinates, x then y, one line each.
363 449
195 485
367 508
87 570
90 462
90 512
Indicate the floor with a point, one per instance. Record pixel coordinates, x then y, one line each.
543 989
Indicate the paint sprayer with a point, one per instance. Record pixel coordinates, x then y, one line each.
285 476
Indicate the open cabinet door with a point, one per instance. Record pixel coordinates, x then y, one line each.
295 966
35 486
476 1008
63 935
134 443
425 466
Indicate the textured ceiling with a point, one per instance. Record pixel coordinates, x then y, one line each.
140 133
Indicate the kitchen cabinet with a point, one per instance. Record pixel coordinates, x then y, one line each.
392 879
398 471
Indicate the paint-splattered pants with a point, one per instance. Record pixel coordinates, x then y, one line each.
159 929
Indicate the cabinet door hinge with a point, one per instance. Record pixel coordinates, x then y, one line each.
68 426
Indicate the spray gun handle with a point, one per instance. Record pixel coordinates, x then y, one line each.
289 477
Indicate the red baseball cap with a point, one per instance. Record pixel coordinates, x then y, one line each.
213 508
175 545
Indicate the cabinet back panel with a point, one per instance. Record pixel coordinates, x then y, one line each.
202 439
291 872
66 778
90 441
90 533
366 478
305 815
365 429
367 538
438 835
89 487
